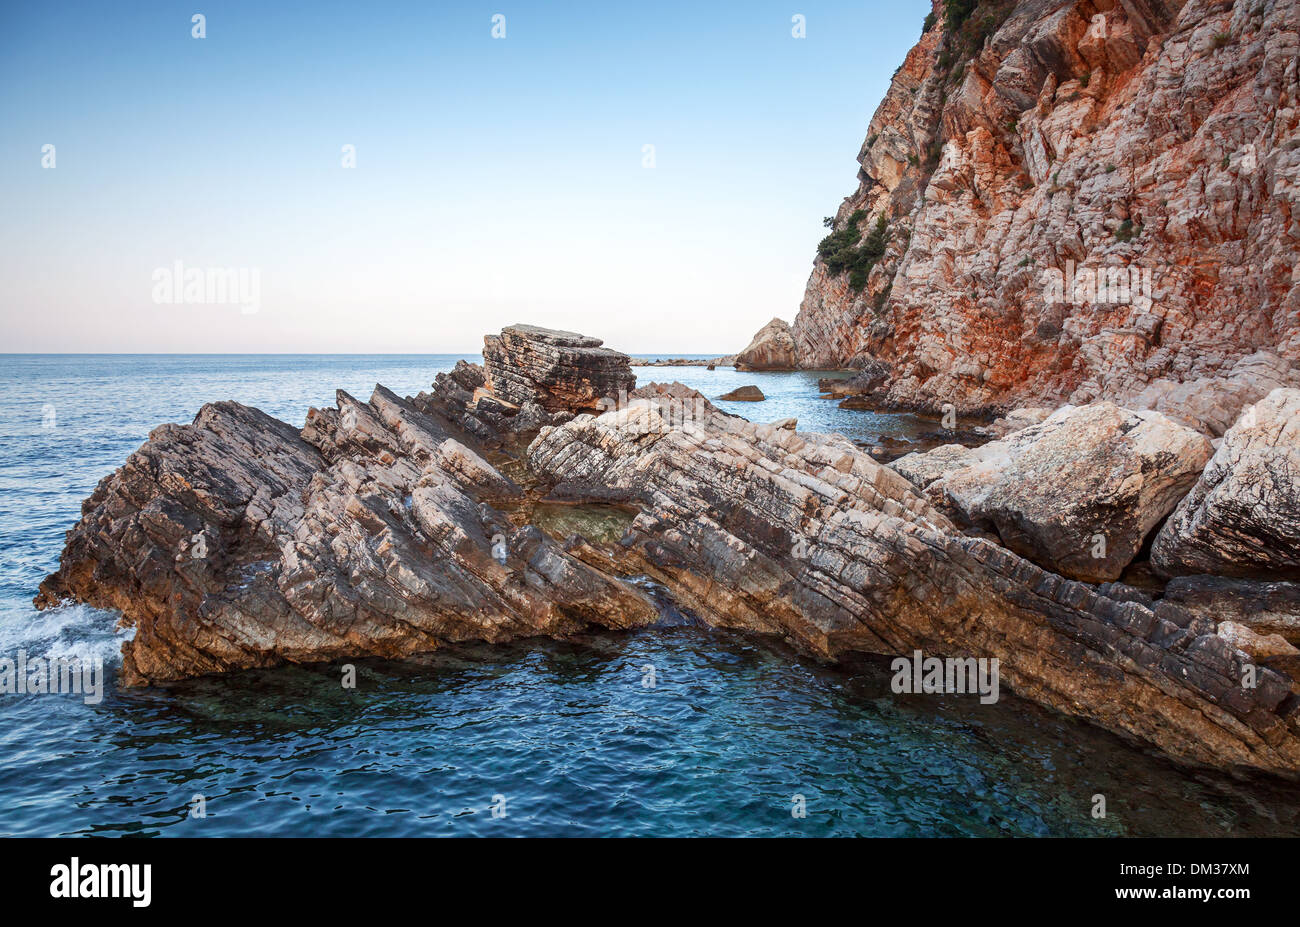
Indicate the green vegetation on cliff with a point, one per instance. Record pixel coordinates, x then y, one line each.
846 249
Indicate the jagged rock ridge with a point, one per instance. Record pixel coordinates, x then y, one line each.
394 526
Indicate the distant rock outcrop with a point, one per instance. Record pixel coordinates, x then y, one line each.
558 370
744 394
772 348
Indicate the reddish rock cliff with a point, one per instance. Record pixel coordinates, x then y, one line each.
1084 199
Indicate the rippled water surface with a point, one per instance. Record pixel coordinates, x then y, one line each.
570 736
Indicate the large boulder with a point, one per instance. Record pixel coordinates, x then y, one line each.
1078 493
555 369
773 348
749 393
1242 518
922 468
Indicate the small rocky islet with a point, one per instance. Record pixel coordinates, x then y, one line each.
396 526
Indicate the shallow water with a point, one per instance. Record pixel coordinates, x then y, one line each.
795 395
567 733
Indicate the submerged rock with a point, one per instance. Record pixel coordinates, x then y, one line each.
1242 518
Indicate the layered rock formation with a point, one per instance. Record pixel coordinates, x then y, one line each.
772 348
1084 199
805 536
1266 607
1078 493
238 541
1243 516
555 369
393 526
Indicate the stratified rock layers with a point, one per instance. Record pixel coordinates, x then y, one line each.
772 348
559 370
394 526
1100 204
234 542
1242 518
807 537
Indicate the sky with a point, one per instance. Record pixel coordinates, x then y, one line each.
495 179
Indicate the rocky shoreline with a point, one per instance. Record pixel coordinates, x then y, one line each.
728 360
1069 201
392 527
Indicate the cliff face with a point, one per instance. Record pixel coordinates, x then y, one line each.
1084 199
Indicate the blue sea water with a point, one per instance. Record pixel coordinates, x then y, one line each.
565 737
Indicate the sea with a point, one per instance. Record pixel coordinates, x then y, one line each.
671 731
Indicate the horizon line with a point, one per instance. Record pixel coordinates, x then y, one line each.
478 353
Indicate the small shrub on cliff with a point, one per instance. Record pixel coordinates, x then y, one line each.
846 249
839 247
956 12
967 25
1220 39
929 22
1125 231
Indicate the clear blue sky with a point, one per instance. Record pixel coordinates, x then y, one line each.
496 180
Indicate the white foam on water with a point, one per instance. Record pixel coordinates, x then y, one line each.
68 631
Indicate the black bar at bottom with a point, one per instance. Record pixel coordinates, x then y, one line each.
331 877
